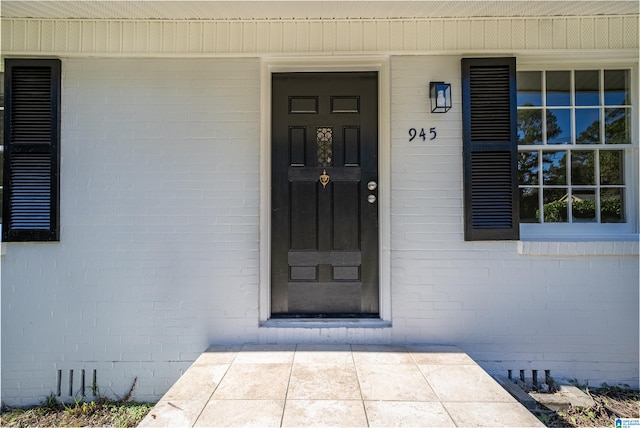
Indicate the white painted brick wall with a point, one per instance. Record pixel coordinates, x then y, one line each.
160 228
159 212
562 306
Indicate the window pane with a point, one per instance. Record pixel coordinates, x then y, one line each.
586 107
583 168
555 205
529 88
528 168
611 206
588 126
530 126
529 209
558 88
324 146
559 126
617 125
587 88
584 205
616 88
611 167
554 168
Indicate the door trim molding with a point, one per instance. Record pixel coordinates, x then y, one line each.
325 64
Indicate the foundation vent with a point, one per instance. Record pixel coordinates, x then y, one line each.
536 381
73 383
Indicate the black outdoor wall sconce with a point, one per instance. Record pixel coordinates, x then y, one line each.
440 97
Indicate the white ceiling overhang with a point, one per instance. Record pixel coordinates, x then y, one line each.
308 10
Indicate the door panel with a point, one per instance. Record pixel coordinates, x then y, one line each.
324 230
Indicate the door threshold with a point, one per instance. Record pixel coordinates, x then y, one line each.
326 323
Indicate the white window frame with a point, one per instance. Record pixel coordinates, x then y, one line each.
593 231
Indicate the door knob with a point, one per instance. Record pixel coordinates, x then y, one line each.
371 199
372 185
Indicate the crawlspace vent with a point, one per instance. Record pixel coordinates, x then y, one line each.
73 383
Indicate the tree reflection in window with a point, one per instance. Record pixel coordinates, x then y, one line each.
530 126
588 126
558 126
554 168
617 126
580 114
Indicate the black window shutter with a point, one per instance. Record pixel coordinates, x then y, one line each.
31 150
490 149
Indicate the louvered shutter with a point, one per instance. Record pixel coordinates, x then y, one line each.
490 149
31 150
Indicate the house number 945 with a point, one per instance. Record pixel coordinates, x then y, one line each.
413 133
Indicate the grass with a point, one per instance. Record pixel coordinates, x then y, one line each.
97 413
101 412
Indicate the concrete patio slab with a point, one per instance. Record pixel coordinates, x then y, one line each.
466 414
337 386
437 354
241 413
407 414
323 382
381 354
323 354
387 382
174 413
468 383
254 382
324 413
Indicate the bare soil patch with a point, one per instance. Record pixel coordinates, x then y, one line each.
610 403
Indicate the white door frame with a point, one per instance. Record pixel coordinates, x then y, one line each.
327 64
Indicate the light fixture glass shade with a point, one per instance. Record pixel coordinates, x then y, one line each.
440 97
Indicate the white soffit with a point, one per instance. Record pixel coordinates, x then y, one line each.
308 10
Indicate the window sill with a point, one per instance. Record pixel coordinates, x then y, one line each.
325 323
624 245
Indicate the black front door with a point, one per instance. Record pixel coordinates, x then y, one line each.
324 251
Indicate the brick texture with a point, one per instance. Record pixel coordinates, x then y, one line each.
159 212
159 251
